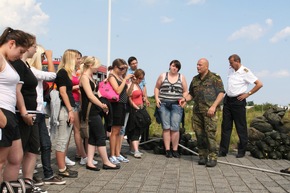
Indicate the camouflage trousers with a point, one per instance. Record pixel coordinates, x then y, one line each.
205 130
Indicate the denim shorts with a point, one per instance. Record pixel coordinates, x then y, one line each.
170 115
77 108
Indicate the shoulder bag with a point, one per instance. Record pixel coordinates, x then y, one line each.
106 90
84 128
85 123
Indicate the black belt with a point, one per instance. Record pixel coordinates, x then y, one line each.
232 97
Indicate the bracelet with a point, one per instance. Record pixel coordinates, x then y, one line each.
70 110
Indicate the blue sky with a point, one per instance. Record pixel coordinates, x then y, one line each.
158 31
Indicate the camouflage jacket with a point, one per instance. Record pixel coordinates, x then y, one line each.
204 92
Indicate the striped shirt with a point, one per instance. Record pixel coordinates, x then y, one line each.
171 91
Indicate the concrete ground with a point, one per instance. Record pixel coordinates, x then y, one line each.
156 173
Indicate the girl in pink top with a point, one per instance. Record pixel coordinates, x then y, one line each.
136 101
76 92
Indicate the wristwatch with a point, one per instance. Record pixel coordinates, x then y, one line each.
250 93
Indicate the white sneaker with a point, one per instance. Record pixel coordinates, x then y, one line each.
137 154
38 166
69 162
85 160
114 160
120 158
132 152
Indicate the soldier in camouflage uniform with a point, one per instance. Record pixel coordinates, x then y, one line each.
206 90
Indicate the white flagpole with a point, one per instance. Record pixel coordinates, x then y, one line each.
109 36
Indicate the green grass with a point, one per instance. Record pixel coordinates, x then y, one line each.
156 130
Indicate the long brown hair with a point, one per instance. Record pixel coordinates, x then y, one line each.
20 37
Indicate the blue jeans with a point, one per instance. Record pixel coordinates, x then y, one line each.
45 146
171 115
123 129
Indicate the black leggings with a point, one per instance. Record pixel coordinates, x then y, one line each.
97 134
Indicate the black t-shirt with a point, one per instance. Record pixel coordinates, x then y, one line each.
62 79
28 89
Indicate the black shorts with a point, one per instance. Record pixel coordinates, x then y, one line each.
11 131
119 113
29 136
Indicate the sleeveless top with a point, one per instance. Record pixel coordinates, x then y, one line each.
169 91
137 97
95 109
9 78
75 81
123 94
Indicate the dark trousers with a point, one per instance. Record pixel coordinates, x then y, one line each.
234 111
45 146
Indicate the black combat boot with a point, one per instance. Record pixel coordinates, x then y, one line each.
211 163
202 161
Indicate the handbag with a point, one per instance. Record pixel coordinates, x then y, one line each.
85 123
16 187
84 128
106 90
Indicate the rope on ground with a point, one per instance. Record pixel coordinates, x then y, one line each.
154 139
227 163
239 165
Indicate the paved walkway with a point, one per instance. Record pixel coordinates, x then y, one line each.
156 173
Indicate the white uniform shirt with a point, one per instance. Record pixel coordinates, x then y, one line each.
239 80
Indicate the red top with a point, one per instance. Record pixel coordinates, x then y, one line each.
137 97
75 92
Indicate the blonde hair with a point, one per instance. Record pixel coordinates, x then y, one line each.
89 62
36 60
68 61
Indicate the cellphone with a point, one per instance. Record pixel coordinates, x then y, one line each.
68 123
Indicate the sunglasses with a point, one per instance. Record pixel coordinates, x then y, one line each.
121 68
